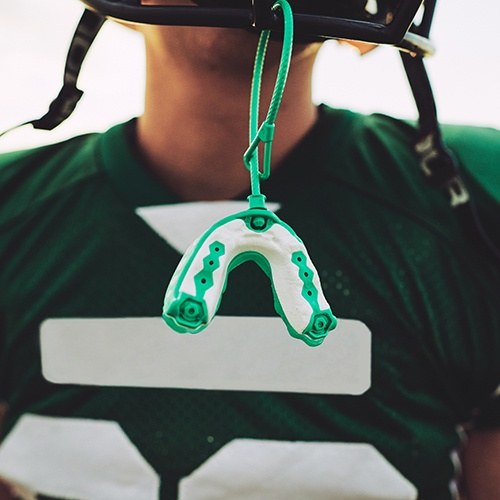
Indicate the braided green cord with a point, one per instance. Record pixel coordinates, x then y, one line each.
254 107
286 57
266 132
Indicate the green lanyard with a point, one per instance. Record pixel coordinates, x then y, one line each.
265 133
257 234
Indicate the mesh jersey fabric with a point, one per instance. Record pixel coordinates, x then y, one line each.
389 251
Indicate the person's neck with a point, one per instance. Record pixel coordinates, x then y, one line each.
194 130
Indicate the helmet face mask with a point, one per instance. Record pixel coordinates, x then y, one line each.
375 21
376 11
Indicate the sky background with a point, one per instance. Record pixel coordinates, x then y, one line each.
35 34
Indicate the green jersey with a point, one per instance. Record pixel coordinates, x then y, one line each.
389 250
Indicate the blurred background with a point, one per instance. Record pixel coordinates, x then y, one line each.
35 34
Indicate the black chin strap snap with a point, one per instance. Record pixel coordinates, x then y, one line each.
67 99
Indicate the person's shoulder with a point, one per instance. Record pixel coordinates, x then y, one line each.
374 157
373 138
32 176
373 153
375 125
385 144
476 148
478 152
467 140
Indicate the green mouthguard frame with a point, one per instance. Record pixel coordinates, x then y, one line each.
257 234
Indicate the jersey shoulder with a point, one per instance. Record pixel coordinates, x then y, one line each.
374 156
387 146
31 177
478 152
476 148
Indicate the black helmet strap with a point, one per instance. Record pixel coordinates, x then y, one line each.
436 161
438 164
65 103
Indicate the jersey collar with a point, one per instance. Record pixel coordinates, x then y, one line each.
128 170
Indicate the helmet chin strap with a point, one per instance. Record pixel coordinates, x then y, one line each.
257 234
438 164
65 103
